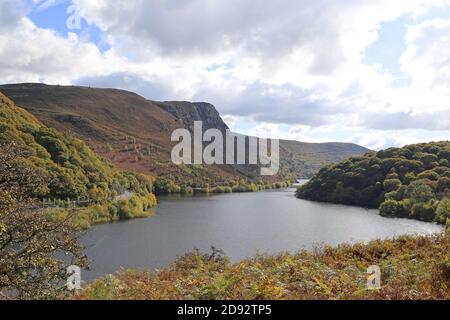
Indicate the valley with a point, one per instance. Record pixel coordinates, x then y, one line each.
103 155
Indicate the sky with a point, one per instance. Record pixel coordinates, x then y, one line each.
372 72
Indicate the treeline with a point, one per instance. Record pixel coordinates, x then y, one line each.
409 182
138 206
165 186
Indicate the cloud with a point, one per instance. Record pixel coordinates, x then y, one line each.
427 56
29 53
282 63
10 13
46 4
156 89
407 120
284 104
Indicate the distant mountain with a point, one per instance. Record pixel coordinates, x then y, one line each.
134 133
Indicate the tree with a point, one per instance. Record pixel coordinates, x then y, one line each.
392 208
29 242
443 183
423 211
391 184
443 211
420 192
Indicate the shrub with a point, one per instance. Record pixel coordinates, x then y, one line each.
443 211
423 211
442 184
393 208
391 184
218 190
429 174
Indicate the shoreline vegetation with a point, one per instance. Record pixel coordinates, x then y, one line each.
139 205
164 187
412 267
410 182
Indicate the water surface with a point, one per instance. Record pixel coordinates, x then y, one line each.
239 224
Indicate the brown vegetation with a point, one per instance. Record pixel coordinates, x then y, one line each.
412 268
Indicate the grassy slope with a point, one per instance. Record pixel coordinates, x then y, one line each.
412 268
134 133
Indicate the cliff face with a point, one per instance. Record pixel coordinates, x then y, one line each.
188 112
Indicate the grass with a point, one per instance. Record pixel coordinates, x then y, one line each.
412 268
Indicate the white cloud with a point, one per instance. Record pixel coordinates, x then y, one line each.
46 4
29 53
280 63
427 57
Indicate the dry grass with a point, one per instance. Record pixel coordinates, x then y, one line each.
412 268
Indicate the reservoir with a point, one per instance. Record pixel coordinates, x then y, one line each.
241 225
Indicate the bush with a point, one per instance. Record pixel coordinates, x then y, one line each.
125 212
391 185
442 184
227 190
423 211
393 208
218 190
429 174
443 211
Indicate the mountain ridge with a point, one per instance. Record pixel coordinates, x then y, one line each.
134 132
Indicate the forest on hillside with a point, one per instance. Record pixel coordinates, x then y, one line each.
409 182
72 172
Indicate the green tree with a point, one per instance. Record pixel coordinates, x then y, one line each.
392 208
391 184
443 183
420 192
443 211
423 211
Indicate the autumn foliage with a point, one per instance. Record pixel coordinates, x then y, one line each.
411 267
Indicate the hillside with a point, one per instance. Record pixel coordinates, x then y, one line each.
134 133
409 182
72 171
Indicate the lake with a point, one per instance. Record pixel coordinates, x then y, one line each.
239 224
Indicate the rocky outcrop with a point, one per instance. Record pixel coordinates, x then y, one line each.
188 112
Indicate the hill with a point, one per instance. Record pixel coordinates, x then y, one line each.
134 133
72 171
409 182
